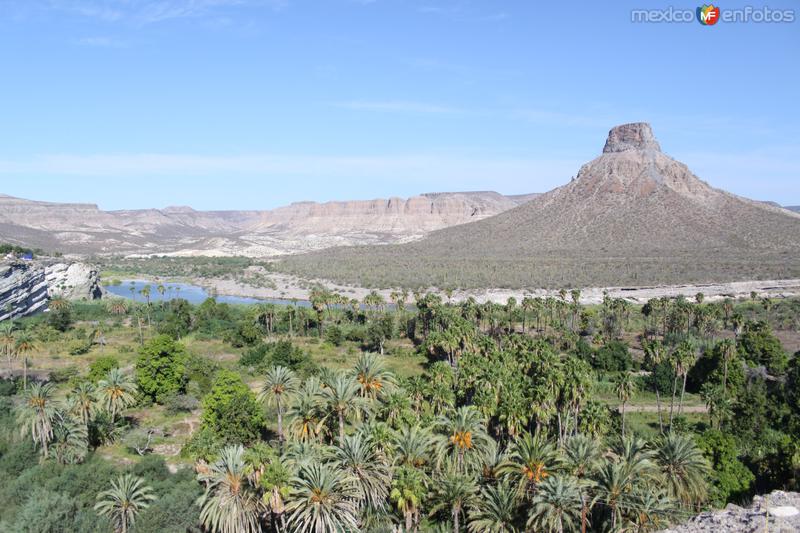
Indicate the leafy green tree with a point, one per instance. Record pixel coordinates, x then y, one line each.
99 368
730 480
759 345
614 356
123 502
231 410
161 368
230 503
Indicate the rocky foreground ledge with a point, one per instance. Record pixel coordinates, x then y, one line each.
26 287
778 512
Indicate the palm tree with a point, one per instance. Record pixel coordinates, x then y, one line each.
115 392
372 376
556 505
38 413
70 440
279 383
727 351
655 352
24 345
343 398
8 344
454 491
496 510
358 457
531 460
117 306
306 415
613 483
686 357
324 499
229 504
650 510
80 401
409 489
582 455
625 387
684 468
122 502
463 431
412 446
275 480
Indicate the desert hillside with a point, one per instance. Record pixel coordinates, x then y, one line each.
302 226
631 216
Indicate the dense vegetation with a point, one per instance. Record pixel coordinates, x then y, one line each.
235 268
537 415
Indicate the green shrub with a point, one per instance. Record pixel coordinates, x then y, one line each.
161 368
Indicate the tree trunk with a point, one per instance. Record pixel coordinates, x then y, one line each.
658 408
672 402
683 392
725 377
456 524
409 520
341 425
280 421
25 372
623 420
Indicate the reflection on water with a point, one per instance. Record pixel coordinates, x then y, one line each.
192 293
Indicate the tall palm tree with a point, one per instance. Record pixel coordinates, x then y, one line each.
454 491
463 433
409 489
38 413
683 467
280 382
70 440
650 510
115 392
624 387
121 503
324 499
686 358
230 504
306 415
655 352
531 460
358 457
343 398
8 344
372 376
81 401
556 505
117 306
496 510
727 351
24 346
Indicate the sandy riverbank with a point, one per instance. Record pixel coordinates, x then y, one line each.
289 287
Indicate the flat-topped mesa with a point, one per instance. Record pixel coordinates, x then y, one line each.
633 136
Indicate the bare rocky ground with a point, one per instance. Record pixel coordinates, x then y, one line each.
778 512
291 287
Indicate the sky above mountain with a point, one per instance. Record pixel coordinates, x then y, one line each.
248 104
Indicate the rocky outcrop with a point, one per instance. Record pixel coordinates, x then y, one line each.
75 281
25 288
777 513
634 136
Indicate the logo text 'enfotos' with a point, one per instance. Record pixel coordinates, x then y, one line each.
710 15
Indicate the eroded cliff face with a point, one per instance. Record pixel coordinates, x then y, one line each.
26 288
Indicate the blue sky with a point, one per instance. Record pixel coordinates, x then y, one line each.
251 104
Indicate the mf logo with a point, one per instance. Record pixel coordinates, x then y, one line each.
708 15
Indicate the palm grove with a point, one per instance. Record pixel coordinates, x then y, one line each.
537 415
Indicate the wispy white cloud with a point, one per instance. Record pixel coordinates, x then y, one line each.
102 42
424 171
144 12
396 106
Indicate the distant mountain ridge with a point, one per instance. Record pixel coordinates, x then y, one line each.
631 216
83 228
